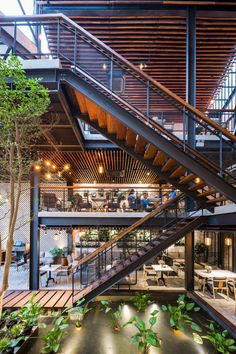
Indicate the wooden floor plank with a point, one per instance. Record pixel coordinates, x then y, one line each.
8 293
25 299
11 296
54 299
63 300
15 300
47 297
69 301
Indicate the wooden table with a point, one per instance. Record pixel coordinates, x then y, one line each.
49 269
216 273
162 269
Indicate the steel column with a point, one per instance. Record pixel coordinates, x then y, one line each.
191 72
34 231
189 261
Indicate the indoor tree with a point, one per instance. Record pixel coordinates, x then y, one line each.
23 100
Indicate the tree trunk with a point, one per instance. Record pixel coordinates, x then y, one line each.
14 206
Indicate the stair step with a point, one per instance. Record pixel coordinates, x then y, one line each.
185 180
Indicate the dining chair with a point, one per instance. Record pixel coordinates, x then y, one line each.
148 272
232 286
219 285
64 271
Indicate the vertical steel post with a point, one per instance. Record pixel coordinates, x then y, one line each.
191 72
111 75
148 99
34 231
189 261
14 39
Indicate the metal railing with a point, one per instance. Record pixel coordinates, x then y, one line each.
113 253
127 85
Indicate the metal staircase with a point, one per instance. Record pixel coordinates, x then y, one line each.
123 254
123 103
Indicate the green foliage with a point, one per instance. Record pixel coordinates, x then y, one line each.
103 235
180 315
78 312
59 252
16 331
52 340
114 313
219 339
28 315
146 337
23 101
200 249
142 300
5 344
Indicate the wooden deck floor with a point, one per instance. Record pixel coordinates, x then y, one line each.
49 299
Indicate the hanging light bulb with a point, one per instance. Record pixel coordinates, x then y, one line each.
37 167
100 169
45 232
59 174
66 167
56 236
47 163
104 66
48 176
54 167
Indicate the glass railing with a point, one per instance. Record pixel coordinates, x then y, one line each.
129 87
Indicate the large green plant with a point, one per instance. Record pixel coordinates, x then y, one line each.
142 300
78 312
52 340
218 338
179 315
114 313
23 100
146 337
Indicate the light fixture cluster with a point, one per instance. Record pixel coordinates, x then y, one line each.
51 170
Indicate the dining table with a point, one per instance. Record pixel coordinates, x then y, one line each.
162 268
203 275
49 268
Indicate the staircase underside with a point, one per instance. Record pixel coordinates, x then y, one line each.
136 260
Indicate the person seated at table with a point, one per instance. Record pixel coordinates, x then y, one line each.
132 199
172 194
145 203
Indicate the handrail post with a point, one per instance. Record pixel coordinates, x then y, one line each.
75 48
111 75
148 99
58 38
14 39
221 156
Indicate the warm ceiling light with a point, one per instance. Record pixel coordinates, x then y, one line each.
54 167
37 167
148 173
142 66
197 180
100 169
208 241
48 176
228 241
104 66
66 167
47 163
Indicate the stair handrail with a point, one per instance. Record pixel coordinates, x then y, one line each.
155 125
115 55
128 229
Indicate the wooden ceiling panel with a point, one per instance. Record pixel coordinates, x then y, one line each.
84 166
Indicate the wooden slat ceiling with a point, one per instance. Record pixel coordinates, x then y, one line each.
84 166
160 43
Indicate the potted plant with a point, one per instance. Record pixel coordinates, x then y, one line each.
219 339
200 251
78 312
59 255
142 300
103 235
6 346
146 337
115 314
52 340
179 315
